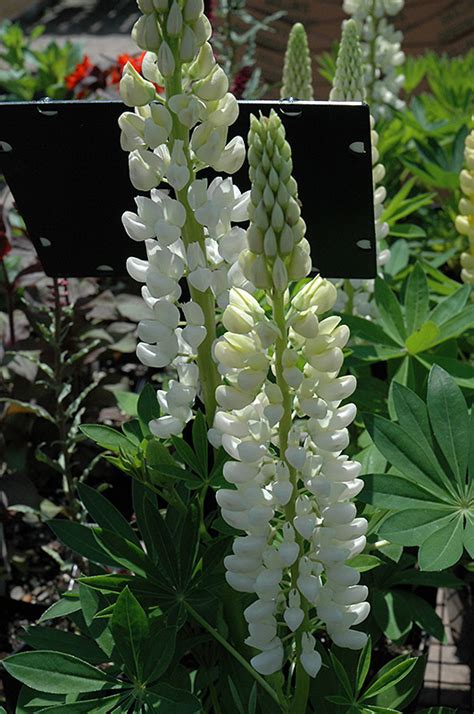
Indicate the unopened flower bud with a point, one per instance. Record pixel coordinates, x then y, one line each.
134 90
166 61
146 33
174 24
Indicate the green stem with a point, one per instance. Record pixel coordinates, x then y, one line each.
300 700
372 56
237 656
349 290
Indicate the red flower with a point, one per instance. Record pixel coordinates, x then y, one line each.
81 71
116 72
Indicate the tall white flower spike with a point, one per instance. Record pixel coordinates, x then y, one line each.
188 227
281 421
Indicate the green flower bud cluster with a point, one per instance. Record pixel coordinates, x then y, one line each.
297 70
349 83
277 249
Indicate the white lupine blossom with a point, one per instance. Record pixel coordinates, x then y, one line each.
187 225
280 419
465 220
382 53
349 86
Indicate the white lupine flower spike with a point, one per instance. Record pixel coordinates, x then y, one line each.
280 420
189 227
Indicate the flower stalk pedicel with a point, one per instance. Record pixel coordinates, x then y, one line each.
188 230
280 419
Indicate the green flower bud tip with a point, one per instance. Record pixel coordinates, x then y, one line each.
275 238
348 83
297 71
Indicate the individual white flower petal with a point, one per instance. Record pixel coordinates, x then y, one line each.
269 661
166 426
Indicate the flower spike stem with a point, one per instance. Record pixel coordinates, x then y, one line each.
237 656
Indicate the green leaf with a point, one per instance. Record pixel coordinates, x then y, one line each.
91 603
159 651
450 306
127 402
148 407
407 231
187 456
363 665
388 491
98 706
140 494
127 554
412 413
461 372
363 563
457 325
417 299
443 548
342 676
47 638
164 544
236 696
423 614
108 438
416 462
390 676
130 630
369 331
200 442
413 526
450 420
468 535
105 514
61 608
422 339
391 614
57 673
168 697
82 541
390 312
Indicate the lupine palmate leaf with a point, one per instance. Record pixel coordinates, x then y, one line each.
432 503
